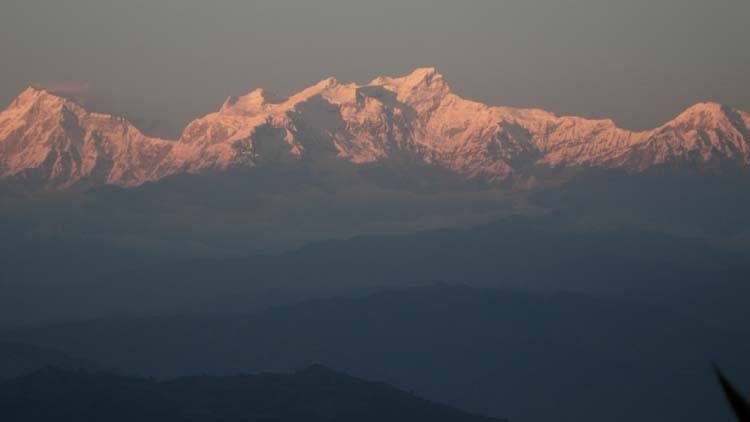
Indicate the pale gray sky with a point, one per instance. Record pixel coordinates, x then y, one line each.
163 62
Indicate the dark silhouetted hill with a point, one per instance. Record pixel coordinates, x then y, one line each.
313 394
527 356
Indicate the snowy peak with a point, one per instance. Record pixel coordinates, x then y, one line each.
31 94
420 77
39 101
425 78
254 102
57 141
28 96
422 84
702 114
705 132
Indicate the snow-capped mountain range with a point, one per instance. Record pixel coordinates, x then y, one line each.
417 116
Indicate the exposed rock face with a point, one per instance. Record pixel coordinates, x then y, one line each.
415 116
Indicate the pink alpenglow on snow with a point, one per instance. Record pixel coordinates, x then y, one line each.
56 140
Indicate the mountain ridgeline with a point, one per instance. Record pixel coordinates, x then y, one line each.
416 119
312 394
526 356
537 253
502 260
17 359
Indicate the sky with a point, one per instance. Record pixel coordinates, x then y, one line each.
162 63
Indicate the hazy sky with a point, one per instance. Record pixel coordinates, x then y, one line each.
163 62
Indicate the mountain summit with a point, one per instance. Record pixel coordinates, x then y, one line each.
57 142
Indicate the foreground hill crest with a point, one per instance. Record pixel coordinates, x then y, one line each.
316 394
59 144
